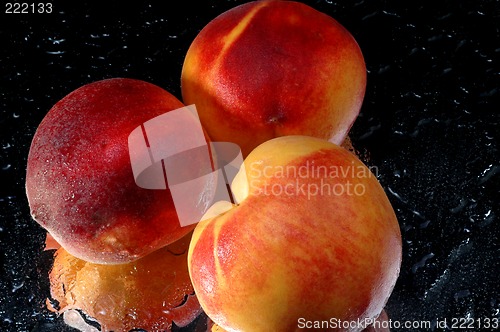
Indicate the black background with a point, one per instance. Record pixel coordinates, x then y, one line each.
429 122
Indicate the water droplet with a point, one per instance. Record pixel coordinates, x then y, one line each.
399 174
422 262
55 52
425 224
17 286
395 194
460 206
488 218
463 248
488 173
70 197
132 314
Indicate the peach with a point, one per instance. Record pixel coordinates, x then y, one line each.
80 183
313 238
150 293
273 68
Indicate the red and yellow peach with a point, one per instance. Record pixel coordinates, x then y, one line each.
314 237
273 68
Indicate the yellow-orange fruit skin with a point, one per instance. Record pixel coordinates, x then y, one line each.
288 254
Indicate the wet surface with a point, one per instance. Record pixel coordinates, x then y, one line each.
429 122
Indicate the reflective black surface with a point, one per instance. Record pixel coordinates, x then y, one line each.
429 122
